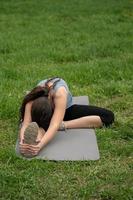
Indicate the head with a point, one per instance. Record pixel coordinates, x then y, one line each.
42 110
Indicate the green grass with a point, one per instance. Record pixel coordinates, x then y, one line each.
89 44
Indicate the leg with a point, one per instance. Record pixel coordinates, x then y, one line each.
90 116
32 135
84 122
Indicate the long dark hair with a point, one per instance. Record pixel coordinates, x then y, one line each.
42 108
42 112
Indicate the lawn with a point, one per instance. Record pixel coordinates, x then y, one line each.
89 44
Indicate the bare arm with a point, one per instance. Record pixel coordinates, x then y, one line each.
60 101
27 119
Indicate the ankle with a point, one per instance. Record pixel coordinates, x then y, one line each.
62 126
65 125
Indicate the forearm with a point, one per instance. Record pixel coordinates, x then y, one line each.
49 135
22 129
26 120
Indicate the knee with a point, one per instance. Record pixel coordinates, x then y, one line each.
108 119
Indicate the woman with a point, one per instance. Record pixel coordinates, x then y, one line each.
48 108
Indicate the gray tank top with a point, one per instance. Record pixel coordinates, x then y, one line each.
59 84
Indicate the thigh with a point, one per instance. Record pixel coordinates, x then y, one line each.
77 111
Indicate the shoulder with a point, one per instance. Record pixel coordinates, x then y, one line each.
42 82
60 92
60 98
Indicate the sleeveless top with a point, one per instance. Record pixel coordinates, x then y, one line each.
57 83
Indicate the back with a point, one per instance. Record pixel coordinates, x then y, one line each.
58 82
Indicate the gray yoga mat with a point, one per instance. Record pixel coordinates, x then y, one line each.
72 144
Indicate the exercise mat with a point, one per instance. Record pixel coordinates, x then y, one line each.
72 144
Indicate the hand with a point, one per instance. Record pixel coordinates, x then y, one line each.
28 149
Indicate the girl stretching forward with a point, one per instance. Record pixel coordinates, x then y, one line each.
49 108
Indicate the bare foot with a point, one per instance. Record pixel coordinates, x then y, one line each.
41 133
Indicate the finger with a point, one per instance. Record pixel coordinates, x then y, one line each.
25 145
29 148
33 151
24 148
25 151
33 148
30 151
